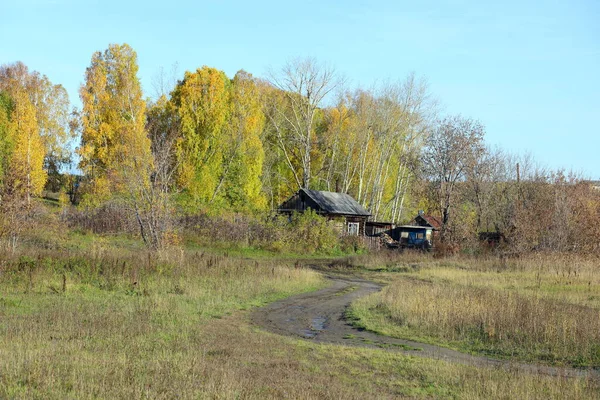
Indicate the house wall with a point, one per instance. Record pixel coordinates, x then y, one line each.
341 223
361 221
300 202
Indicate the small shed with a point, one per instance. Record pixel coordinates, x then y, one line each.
413 236
339 207
419 233
373 228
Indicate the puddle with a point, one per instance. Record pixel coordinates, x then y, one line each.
317 325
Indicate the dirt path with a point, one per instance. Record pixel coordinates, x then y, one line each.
318 316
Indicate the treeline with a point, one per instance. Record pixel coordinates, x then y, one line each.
216 145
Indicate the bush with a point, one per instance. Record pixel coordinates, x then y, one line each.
110 217
300 233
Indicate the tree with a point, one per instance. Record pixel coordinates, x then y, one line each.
243 156
114 143
303 84
6 134
371 143
26 172
116 152
202 104
449 151
51 106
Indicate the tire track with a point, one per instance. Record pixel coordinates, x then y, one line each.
319 316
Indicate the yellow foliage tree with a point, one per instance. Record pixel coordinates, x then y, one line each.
51 104
244 157
114 145
202 103
26 172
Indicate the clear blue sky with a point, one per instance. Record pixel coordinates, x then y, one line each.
528 70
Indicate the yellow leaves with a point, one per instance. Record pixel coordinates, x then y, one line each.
27 160
202 103
114 142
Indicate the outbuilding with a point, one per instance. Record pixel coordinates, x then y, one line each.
419 233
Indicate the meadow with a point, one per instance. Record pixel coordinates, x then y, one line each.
109 320
537 308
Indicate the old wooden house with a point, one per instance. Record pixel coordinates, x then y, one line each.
340 208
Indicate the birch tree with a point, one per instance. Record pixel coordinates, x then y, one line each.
202 102
304 84
51 107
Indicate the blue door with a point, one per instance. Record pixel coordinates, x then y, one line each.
412 237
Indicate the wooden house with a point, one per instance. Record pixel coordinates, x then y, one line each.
340 208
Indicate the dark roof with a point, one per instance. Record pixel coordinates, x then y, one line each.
336 203
432 221
379 223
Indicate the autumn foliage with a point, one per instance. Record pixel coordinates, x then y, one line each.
219 146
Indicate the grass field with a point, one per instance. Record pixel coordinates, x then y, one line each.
538 309
108 322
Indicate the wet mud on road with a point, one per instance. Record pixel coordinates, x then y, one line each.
319 316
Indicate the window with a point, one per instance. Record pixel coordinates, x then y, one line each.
420 236
353 228
404 235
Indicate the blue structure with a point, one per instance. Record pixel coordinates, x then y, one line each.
413 237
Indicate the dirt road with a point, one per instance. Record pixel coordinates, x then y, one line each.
319 316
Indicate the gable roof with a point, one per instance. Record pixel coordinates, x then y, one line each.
324 202
336 203
430 220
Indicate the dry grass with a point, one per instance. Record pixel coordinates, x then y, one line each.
132 354
540 309
567 278
117 324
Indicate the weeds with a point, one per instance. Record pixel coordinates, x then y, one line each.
535 310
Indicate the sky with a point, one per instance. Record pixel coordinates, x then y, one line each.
527 70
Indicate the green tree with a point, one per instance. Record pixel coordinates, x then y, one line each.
202 103
243 156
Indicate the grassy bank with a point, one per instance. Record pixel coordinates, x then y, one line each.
537 309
